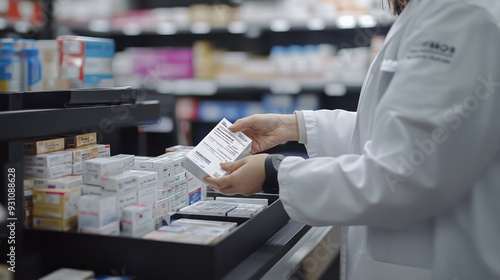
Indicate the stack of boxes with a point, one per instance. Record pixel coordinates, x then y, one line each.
98 215
55 208
28 202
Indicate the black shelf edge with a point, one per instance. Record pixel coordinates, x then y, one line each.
23 124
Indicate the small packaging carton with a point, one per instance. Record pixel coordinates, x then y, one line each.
126 181
123 199
55 223
128 161
137 220
37 147
90 189
220 145
112 229
145 179
48 172
56 203
95 169
95 211
50 159
77 141
66 182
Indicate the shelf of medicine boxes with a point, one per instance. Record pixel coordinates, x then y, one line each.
103 28
247 87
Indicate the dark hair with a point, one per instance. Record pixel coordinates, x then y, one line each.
397 6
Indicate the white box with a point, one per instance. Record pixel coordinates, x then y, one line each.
67 182
40 183
137 214
131 230
162 194
138 160
145 179
90 189
77 168
95 169
96 211
48 172
112 229
128 161
104 150
123 199
49 160
163 166
225 226
220 145
120 183
257 201
246 210
67 273
209 208
165 206
147 196
177 160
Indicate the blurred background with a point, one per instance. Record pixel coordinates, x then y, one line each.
206 60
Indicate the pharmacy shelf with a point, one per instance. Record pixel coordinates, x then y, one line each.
23 124
103 28
236 87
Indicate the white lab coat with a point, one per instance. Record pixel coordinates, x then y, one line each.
415 173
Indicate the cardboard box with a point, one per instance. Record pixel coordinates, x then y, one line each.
147 196
246 210
123 199
90 189
220 145
145 179
209 208
50 159
28 183
55 224
128 161
177 160
95 169
84 153
66 182
77 168
126 181
77 141
226 227
165 206
48 172
137 214
96 211
85 61
43 146
104 150
52 203
139 160
162 166
112 229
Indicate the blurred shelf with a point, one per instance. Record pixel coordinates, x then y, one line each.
104 28
23 124
288 86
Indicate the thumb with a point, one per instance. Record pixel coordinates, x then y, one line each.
232 166
240 124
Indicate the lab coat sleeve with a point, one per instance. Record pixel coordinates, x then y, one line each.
335 125
434 131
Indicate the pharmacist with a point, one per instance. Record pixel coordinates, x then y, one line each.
414 175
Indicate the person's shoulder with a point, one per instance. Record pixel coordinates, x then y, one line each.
489 10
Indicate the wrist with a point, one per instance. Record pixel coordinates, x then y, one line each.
291 126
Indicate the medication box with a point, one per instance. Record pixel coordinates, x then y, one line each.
220 145
123 199
95 169
55 224
119 183
90 189
137 220
84 153
43 146
77 141
48 172
86 61
145 179
56 203
128 161
67 182
96 211
49 160
112 229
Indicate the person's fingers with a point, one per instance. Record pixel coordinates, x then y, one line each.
232 166
220 183
241 124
